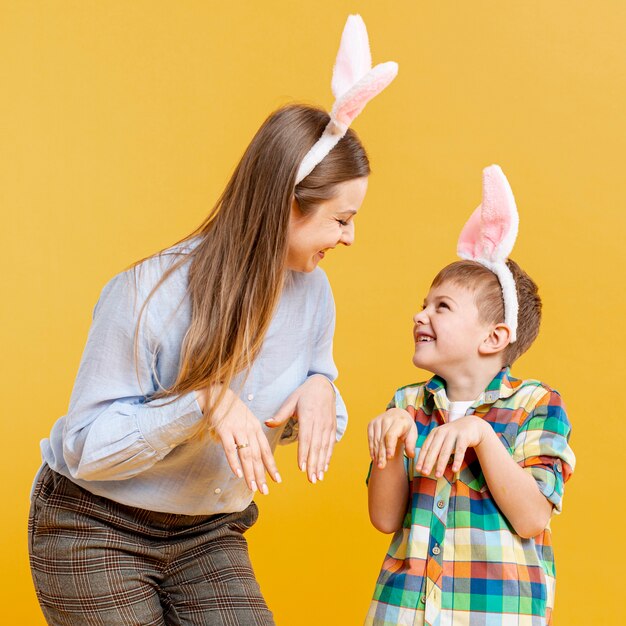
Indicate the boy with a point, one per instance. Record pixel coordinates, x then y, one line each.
486 454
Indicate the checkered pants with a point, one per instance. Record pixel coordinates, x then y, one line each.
96 562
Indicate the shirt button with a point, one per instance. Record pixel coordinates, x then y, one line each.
559 465
217 491
423 599
250 396
436 550
441 504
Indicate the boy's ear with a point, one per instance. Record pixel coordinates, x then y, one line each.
497 340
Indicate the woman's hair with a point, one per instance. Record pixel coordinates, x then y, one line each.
237 269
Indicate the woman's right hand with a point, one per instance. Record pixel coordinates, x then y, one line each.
246 447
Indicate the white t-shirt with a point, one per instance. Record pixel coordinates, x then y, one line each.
458 409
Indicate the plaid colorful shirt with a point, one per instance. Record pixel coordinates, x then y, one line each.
457 561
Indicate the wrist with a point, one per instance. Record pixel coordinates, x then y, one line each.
328 382
485 433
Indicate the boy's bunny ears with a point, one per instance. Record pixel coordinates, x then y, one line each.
354 84
489 235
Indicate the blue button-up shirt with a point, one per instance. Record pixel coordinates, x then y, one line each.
118 443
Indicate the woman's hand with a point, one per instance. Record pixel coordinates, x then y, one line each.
247 450
386 432
313 405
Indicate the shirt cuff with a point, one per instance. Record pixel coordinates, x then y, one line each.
166 423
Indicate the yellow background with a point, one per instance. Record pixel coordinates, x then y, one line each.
120 123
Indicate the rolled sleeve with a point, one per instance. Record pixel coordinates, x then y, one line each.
542 447
113 429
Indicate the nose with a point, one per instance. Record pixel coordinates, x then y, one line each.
420 317
347 234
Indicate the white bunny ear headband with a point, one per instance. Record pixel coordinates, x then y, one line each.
354 84
489 235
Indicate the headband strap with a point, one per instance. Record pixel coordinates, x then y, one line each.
489 235
354 84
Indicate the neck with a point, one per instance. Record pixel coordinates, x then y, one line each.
469 384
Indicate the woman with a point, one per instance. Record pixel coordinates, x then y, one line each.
199 360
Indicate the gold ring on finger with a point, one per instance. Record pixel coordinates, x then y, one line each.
242 445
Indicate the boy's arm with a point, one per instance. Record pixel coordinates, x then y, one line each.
388 494
515 491
527 485
388 485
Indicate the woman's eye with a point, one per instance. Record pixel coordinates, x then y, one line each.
343 222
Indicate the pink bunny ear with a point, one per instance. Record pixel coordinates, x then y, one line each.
489 235
354 58
351 103
491 230
354 84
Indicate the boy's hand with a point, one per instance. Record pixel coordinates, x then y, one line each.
389 430
455 437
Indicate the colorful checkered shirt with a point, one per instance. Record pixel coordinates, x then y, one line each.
457 561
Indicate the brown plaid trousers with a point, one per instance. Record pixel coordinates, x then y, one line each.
97 562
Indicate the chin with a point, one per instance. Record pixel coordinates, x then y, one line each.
424 364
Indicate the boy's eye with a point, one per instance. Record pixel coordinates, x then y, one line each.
443 305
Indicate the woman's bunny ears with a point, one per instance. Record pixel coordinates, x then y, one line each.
354 84
489 235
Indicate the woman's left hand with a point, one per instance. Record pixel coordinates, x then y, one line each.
313 405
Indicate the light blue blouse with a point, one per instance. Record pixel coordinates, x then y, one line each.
117 443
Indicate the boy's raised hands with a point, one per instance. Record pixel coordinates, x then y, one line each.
451 438
387 433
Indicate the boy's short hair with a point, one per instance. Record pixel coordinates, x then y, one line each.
488 296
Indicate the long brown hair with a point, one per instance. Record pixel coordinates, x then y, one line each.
237 269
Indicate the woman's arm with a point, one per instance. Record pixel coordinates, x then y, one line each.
317 405
110 431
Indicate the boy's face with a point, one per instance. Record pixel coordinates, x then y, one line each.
448 331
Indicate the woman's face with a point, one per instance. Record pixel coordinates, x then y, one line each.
332 223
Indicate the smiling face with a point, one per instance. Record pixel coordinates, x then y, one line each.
332 223
449 333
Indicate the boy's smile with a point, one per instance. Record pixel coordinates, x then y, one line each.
448 331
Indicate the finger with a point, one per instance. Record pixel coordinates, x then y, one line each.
376 427
284 413
247 464
432 452
313 454
424 451
459 455
381 452
444 455
304 443
230 450
410 442
321 460
259 467
390 441
370 439
332 439
268 458
391 438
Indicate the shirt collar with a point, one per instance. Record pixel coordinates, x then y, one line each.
502 386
